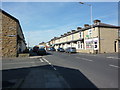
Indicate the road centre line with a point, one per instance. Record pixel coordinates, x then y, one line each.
114 66
85 59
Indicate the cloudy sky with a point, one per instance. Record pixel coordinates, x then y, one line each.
41 21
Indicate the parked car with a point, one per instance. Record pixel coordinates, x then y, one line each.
35 49
52 49
70 50
60 50
41 51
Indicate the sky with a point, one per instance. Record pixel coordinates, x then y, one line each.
41 21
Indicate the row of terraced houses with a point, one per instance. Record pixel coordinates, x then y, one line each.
96 38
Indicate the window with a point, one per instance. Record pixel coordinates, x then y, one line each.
90 32
78 44
89 45
95 42
81 45
95 46
119 33
119 44
80 35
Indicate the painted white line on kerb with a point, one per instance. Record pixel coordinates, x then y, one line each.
85 59
114 66
41 60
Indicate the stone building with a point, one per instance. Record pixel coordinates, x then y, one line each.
96 38
11 36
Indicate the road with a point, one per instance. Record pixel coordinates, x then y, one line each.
102 71
78 70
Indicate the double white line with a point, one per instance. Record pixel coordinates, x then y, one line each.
41 59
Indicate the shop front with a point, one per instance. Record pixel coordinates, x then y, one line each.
92 45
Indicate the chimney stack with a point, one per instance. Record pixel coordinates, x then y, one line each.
96 21
72 30
68 32
78 28
62 35
86 25
65 34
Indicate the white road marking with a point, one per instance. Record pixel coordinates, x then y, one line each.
52 65
41 60
85 59
35 57
46 60
49 63
55 68
113 57
114 66
87 54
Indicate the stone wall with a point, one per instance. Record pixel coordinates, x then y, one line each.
108 36
9 36
0 35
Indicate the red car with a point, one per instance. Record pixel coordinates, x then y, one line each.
35 49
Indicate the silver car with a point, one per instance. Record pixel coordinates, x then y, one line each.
70 50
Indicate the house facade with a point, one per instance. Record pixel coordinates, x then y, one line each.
96 38
11 36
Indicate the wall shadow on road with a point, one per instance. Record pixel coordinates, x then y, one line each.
74 77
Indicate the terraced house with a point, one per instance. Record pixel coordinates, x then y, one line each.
12 40
96 38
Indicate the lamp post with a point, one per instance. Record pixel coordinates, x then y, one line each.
91 19
90 10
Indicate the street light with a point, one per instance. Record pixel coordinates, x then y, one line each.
90 18
90 10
